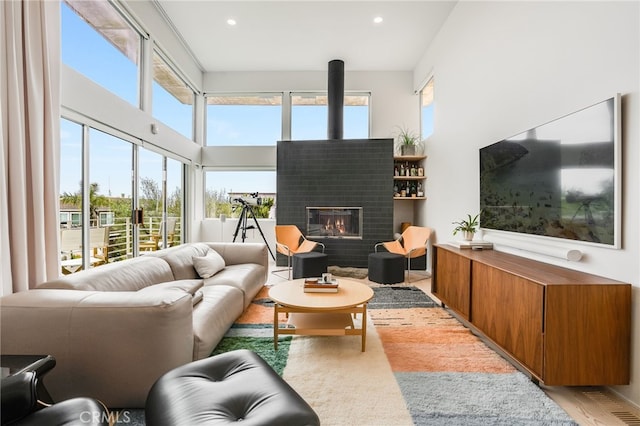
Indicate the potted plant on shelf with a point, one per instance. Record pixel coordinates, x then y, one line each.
467 226
408 141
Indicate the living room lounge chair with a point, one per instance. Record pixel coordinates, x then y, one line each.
290 241
411 244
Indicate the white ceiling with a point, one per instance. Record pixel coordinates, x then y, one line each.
305 35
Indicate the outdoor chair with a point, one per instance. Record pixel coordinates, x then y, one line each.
156 239
71 248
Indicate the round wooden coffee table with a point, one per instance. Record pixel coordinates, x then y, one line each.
320 314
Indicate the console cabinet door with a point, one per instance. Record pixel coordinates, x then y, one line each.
588 329
509 310
453 283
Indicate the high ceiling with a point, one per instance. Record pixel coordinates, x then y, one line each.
304 35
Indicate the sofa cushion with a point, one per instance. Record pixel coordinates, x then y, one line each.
128 275
180 259
249 278
213 316
209 265
188 286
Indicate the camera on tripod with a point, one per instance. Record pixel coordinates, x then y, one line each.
251 200
247 211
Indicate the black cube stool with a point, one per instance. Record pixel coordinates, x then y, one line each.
311 264
386 268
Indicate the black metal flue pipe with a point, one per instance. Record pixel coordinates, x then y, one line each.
335 99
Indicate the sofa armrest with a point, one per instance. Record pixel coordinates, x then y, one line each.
238 253
111 346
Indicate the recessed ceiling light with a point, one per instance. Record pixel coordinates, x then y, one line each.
377 20
231 22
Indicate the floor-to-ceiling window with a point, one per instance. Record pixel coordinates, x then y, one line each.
110 191
174 201
95 197
151 199
242 120
107 173
160 198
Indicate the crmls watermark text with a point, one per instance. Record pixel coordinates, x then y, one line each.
112 417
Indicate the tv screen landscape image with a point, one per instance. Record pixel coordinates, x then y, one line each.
559 180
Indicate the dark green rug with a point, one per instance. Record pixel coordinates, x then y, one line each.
260 345
400 298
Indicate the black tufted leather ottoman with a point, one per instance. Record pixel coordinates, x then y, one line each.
386 268
236 386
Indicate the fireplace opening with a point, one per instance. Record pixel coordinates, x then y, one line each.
334 222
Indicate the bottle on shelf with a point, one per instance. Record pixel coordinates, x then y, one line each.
409 173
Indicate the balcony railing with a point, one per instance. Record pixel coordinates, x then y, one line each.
117 245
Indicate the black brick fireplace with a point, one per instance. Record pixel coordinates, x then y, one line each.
338 172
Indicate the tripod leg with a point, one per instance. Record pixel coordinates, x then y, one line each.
235 234
244 223
260 229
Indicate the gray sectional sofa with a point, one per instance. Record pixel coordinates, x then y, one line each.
117 328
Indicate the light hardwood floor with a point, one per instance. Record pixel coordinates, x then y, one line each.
588 406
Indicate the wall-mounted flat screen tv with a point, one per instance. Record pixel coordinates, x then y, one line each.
559 180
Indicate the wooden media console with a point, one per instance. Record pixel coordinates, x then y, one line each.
565 327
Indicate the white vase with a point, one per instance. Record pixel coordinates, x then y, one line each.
468 235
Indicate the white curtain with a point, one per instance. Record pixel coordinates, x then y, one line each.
29 132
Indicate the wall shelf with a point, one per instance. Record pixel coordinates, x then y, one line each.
409 157
411 183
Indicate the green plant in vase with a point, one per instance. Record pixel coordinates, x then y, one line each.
408 141
467 226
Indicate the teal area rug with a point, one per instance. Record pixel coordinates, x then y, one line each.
478 399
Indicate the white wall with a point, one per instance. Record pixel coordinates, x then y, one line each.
503 67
